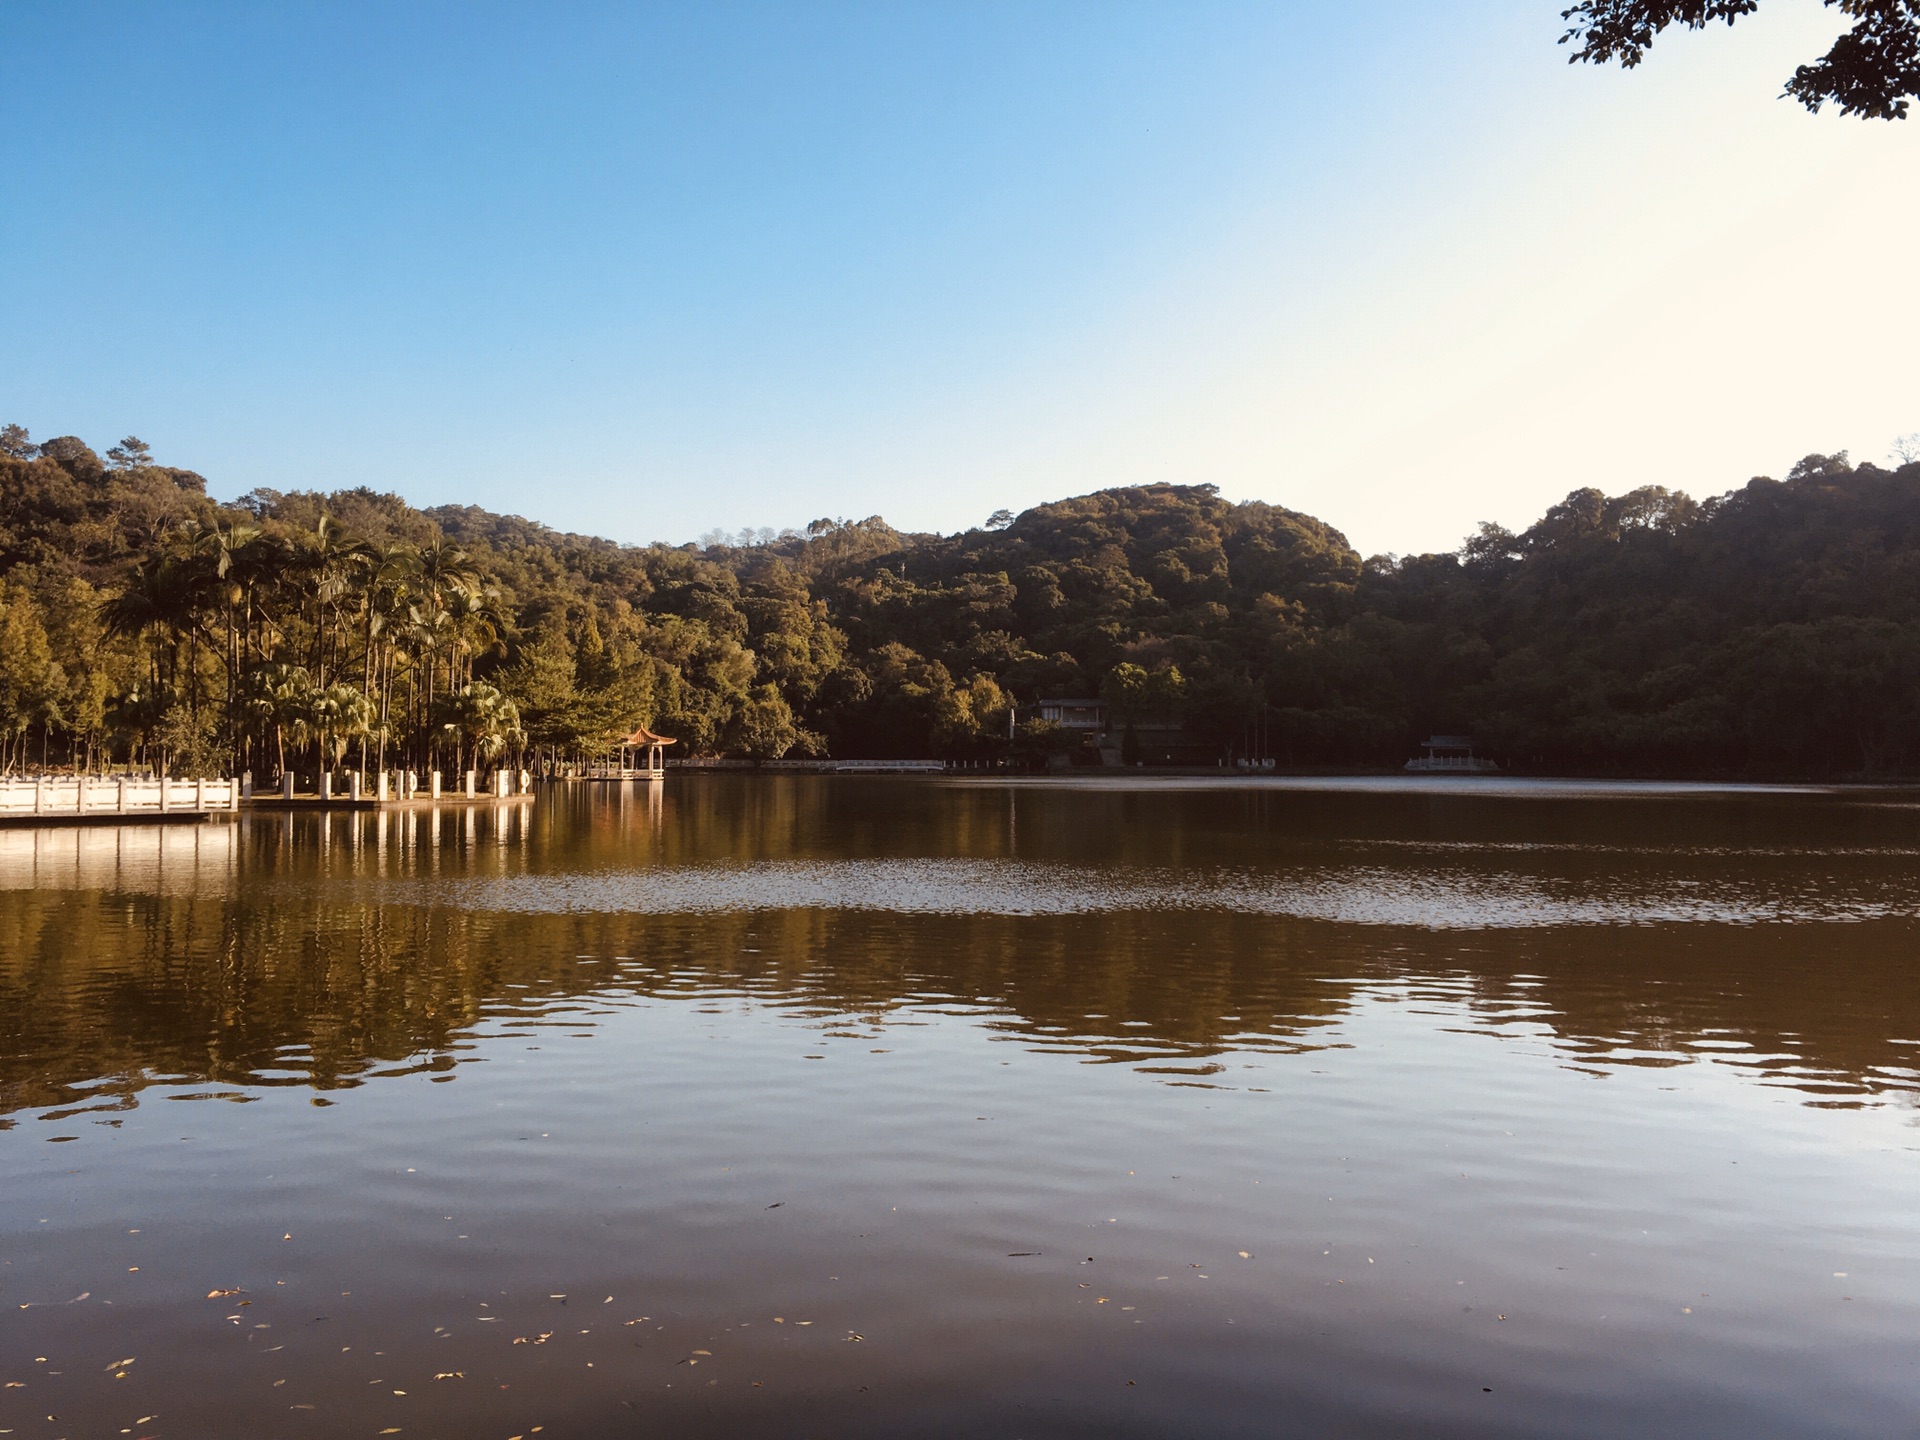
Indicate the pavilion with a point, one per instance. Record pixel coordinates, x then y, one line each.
643 742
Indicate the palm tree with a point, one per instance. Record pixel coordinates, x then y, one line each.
280 696
428 628
339 715
385 583
220 575
478 619
157 601
329 559
481 716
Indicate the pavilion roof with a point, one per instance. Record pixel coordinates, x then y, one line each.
643 736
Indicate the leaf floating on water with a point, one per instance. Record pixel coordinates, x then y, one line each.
1245 1256
84 1294
1021 1254
776 1205
855 1335
451 1375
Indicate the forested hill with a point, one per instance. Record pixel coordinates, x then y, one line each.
1771 631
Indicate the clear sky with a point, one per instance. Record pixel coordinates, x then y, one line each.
645 271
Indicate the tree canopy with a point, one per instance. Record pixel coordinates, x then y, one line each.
1872 70
1770 631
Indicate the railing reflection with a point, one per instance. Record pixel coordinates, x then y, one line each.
158 859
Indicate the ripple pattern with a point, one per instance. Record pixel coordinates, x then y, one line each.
1435 898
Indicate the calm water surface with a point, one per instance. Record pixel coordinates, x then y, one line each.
880 1107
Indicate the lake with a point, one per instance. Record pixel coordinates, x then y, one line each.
831 1106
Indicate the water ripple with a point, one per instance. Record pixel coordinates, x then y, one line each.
1437 898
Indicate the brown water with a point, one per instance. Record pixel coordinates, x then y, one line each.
879 1107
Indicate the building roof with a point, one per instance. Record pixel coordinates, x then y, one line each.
643 736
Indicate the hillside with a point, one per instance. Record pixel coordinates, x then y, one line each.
1770 631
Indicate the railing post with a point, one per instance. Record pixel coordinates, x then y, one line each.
246 786
163 794
120 802
353 785
200 792
286 784
80 795
471 775
326 784
433 780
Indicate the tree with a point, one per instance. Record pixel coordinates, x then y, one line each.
154 604
1873 70
15 444
278 695
31 680
188 742
74 632
339 715
481 717
764 729
130 454
542 686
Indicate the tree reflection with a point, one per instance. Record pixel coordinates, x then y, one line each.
285 951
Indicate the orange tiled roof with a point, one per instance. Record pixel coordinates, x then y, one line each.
643 736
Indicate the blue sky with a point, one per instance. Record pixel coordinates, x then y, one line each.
649 270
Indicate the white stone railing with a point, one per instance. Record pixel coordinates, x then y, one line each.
68 796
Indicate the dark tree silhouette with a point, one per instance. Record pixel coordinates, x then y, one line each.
1872 71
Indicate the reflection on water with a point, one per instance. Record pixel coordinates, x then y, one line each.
299 950
798 979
